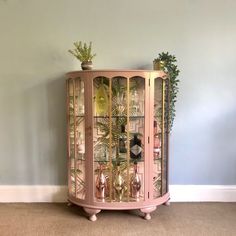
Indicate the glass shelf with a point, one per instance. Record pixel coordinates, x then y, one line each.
120 160
116 116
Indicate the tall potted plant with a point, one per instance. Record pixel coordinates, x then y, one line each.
167 63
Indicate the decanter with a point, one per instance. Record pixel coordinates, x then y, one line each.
101 184
81 145
122 140
135 183
135 147
134 104
118 184
157 140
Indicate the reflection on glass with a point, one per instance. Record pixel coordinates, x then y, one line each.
101 119
102 101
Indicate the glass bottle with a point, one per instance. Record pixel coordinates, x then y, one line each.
101 100
122 140
118 184
81 145
135 147
81 100
101 184
135 183
121 103
134 104
157 141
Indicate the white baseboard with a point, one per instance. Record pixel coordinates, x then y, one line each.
178 193
203 193
33 193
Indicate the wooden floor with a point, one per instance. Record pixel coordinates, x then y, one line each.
59 219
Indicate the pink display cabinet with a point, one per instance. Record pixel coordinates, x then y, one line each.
117 129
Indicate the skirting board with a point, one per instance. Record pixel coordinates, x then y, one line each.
178 193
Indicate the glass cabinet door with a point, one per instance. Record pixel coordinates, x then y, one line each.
76 137
136 127
160 137
118 119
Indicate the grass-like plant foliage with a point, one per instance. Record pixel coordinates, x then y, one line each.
82 51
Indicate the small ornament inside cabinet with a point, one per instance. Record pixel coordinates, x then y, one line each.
117 134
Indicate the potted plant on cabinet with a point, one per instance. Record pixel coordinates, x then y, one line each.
83 53
167 63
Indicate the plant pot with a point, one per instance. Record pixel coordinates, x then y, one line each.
87 65
158 65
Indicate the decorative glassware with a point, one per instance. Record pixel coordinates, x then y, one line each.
81 145
118 184
135 147
122 140
134 104
101 184
135 183
81 99
157 140
121 102
101 100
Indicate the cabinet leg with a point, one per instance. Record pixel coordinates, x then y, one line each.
167 203
92 213
69 203
147 212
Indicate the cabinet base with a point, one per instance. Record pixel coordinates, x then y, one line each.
93 209
92 212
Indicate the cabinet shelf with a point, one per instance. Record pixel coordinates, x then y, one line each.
115 116
120 160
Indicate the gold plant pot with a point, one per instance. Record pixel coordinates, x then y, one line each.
158 65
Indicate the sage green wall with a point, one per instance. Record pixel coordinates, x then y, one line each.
35 37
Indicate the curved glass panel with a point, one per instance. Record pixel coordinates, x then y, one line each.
76 137
157 138
165 137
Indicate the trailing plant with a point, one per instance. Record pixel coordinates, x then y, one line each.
82 51
167 63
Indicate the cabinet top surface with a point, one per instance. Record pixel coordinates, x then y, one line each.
74 73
